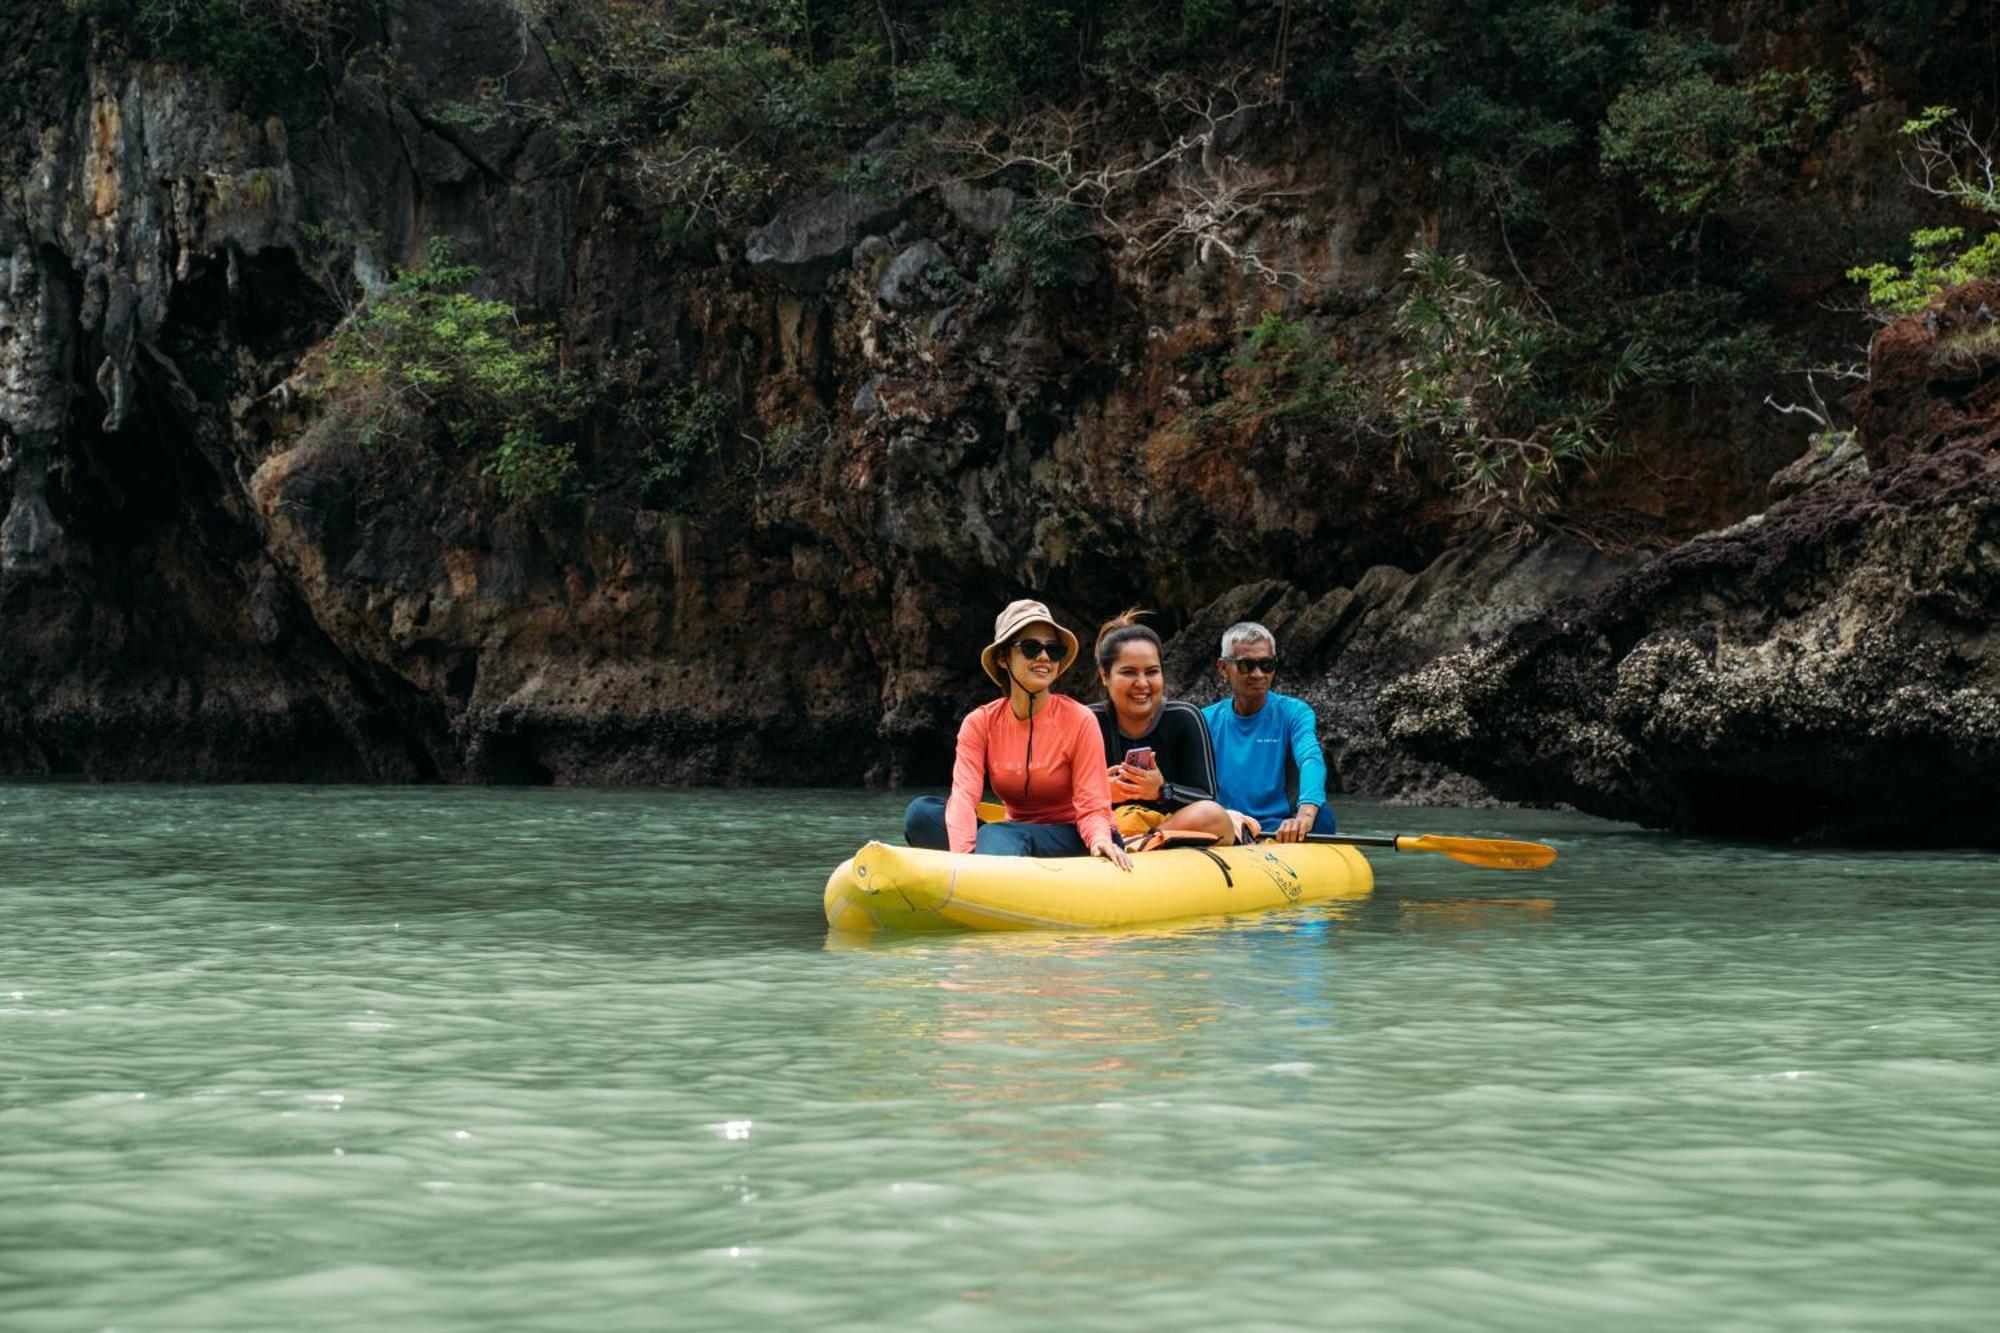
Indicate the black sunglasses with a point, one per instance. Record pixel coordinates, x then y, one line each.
1034 648
1267 665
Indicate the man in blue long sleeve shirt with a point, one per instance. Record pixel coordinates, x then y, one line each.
1267 757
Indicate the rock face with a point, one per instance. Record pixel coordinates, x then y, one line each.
982 211
205 577
810 241
1341 648
155 296
905 285
1931 381
1828 668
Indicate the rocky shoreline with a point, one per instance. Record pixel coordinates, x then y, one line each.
1826 668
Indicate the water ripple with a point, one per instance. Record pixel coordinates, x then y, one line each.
454 1059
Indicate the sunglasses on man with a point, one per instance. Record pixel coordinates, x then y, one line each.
1265 665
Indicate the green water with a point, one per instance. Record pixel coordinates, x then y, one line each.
476 1059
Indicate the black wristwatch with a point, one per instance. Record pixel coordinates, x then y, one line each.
1166 793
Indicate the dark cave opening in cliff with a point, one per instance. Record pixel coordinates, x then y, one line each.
144 488
170 459
58 762
511 759
262 302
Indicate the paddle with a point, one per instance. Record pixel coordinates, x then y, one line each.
1493 853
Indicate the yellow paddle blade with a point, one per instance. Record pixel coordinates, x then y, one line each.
992 812
1493 853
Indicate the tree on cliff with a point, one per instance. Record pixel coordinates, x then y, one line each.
1950 160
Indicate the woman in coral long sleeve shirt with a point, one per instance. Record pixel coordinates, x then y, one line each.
1041 752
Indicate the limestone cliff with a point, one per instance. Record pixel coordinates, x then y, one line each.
200 578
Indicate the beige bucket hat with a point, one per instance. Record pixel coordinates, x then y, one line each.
1017 617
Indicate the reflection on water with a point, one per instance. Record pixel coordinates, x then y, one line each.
1473 913
440 1059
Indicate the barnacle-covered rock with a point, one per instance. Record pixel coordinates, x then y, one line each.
1830 667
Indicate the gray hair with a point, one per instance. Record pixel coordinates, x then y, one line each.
1247 631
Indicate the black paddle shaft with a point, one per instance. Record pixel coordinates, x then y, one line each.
1353 840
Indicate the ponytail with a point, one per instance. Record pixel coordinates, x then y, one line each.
1114 634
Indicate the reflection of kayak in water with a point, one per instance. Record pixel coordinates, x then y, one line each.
908 888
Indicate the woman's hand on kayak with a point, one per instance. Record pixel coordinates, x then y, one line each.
1109 849
1131 783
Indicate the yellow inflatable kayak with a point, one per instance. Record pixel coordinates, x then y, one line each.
908 888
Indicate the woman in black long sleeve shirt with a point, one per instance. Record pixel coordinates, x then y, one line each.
1178 790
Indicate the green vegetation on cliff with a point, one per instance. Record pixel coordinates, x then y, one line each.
1490 384
1620 168
424 358
1286 372
1643 122
1688 134
1952 161
244 39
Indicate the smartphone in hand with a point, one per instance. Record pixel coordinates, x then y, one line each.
1140 756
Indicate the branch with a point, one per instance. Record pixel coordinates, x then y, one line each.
1790 408
1189 193
1938 169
